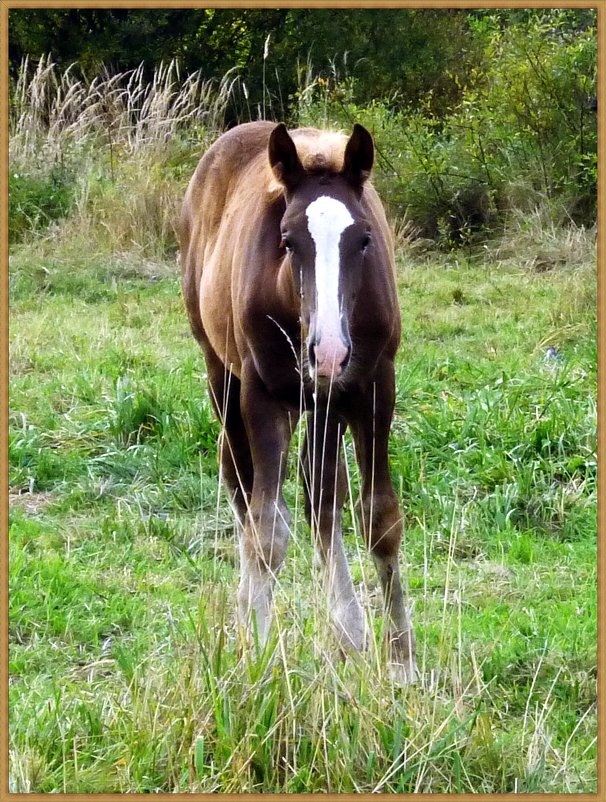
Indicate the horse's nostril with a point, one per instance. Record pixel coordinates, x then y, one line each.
311 351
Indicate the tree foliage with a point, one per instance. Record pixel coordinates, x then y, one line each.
522 132
404 54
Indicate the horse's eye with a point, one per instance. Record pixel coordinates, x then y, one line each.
286 244
365 242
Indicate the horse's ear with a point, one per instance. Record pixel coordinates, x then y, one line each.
359 156
284 158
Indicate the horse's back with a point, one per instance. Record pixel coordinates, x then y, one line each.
222 163
202 226
213 180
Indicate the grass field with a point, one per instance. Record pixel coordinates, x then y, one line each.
125 672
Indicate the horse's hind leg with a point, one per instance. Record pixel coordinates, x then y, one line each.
381 520
325 489
234 450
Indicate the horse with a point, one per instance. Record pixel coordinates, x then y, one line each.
288 279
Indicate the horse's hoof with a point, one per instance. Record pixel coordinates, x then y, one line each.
404 673
352 643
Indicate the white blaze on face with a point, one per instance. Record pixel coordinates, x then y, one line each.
327 219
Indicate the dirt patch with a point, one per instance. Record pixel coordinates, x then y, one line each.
30 503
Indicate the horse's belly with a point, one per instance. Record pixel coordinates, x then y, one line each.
217 313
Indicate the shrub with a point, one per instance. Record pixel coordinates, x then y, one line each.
522 135
36 199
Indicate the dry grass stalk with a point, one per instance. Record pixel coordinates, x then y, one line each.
52 110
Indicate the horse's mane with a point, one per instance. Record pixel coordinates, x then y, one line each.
319 152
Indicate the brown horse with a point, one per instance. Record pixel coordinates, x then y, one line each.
289 284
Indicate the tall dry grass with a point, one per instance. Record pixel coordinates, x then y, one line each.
62 110
117 150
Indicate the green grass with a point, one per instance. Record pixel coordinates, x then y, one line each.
125 671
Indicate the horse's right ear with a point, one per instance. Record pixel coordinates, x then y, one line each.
284 158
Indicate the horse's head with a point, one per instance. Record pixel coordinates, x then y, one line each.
327 237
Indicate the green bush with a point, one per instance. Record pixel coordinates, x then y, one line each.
523 134
36 199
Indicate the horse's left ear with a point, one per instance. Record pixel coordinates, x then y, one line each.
359 156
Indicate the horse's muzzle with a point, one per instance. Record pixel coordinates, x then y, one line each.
328 357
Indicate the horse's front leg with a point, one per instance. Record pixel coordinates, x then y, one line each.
381 520
265 535
325 489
